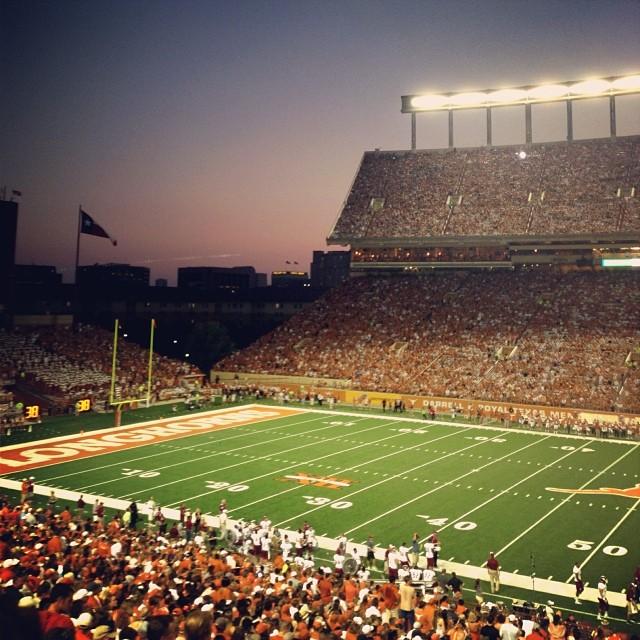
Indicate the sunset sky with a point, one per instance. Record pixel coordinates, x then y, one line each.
228 133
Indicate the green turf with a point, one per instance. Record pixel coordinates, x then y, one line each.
483 489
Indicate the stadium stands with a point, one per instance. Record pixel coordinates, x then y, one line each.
67 364
532 336
65 574
581 187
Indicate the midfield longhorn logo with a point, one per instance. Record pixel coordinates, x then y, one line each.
631 492
327 483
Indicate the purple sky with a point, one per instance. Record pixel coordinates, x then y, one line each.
228 133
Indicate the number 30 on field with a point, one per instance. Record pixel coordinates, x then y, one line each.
586 545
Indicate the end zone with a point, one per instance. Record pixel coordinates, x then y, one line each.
26 456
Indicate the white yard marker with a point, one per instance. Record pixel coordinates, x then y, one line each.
507 490
392 477
173 448
567 499
608 535
191 460
341 471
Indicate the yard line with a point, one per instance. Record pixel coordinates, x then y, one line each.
513 486
340 470
192 435
445 484
209 455
611 532
329 455
386 479
562 502
239 464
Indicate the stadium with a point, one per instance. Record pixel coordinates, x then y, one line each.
471 391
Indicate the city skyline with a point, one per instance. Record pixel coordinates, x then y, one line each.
211 133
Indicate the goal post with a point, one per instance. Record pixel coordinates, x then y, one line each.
118 404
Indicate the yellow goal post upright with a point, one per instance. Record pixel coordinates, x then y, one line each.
112 399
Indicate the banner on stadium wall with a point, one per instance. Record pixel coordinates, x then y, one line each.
374 399
469 408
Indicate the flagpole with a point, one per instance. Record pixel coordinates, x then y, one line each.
153 327
78 242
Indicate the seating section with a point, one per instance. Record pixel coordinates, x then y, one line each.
551 188
533 336
67 364
69 574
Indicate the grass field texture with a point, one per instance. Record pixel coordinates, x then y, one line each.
534 499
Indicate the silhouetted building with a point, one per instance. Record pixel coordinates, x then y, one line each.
113 275
213 278
162 282
8 229
330 268
290 279
36 274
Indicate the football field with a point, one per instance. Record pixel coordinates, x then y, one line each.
540 501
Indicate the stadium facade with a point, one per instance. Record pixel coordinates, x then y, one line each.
524 289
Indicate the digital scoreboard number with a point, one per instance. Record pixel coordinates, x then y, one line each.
83 405
32 412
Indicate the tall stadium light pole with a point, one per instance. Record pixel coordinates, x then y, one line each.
569 121
413 131
78 244
489 134
526 96
612 115
528 128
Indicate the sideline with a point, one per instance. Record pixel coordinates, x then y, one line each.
550 587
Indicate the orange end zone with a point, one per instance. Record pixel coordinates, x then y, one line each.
32 455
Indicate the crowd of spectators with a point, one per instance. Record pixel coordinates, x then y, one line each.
530 336
68 575
65 364
543 188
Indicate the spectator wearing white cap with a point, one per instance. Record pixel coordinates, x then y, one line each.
508 627
83 626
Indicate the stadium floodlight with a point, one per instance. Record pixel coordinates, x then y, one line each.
590 87
621 262
630 83
550 92
427 103
507 95
471 98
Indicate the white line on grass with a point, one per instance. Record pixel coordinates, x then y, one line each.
392 477
340 470
239 464
461 424
329 455
444 484
562 502
191 460
513 486
611 532
174 449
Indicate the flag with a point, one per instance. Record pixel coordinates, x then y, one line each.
15 192
90 227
